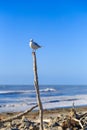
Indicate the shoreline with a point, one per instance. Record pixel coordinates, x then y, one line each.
46 112
54 119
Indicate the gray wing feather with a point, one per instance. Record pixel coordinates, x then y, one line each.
37 44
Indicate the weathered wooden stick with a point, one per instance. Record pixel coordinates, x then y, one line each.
77 121
82 116
18 116
77 116
37 90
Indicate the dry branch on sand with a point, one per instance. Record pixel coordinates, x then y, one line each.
19 115
71 120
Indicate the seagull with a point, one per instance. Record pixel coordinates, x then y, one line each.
34 45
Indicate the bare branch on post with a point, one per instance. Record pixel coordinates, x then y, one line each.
37 90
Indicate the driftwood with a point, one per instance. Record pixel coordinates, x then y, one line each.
18 116
71 121
76 118
82 116
76 121
37 90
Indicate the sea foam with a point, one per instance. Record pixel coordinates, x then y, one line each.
51 102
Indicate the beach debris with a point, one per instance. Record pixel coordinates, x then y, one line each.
18 115
71 120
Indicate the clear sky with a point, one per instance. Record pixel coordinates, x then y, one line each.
60 26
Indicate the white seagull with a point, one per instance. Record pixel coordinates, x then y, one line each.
34 45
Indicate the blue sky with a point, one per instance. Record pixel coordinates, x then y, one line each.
60 26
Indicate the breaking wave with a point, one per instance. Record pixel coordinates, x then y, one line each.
26 91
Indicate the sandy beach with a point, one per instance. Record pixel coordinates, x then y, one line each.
49 116
47 113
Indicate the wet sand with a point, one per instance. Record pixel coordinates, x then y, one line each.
33 115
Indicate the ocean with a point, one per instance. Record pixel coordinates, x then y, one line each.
14 98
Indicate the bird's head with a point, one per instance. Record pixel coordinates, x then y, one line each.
31 40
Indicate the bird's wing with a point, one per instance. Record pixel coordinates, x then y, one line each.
37 44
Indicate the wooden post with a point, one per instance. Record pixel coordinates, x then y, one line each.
37 90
